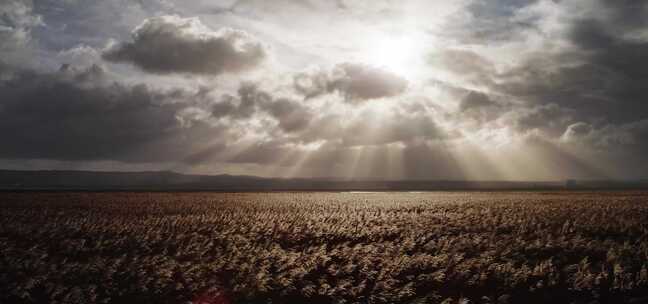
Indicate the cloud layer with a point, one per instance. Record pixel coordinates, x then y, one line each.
72 115
536 89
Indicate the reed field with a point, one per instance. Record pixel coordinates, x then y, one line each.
390 247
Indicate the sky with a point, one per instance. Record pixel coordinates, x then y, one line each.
382 89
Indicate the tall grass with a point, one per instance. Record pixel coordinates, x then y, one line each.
324 248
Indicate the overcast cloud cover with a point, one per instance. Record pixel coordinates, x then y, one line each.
469 89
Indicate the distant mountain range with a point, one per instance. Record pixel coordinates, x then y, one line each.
172 181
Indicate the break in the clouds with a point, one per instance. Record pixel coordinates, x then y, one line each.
414 89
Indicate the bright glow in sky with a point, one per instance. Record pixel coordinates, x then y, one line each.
470 89
400 54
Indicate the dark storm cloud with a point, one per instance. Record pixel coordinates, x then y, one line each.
603 79
481 107
242 106
291 115
597 79
70 115
92 74
629 137
549 117
475 100
626 14
355 82
170 44
337 133
622 56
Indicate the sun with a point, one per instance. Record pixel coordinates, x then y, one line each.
394 53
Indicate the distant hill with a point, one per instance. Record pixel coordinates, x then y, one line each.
172 181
